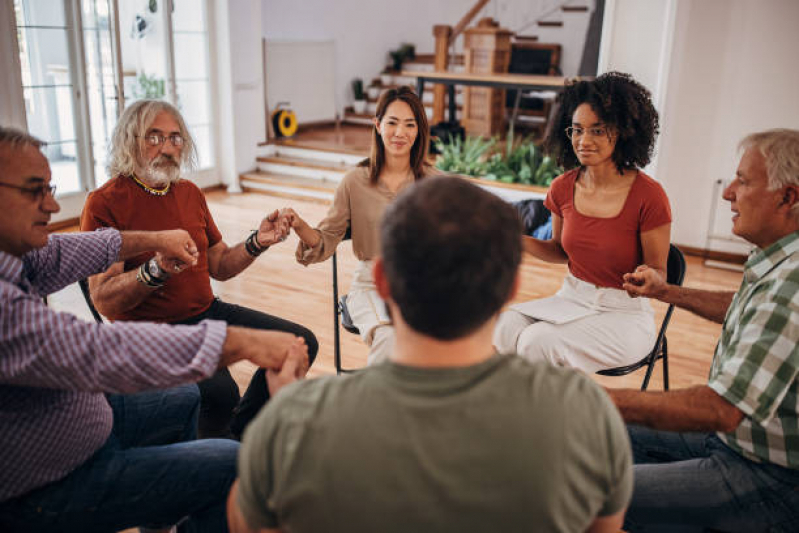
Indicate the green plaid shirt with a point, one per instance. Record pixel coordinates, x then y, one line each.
756 363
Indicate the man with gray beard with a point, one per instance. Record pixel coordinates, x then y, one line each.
150 144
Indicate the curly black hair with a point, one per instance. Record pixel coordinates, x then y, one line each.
621 103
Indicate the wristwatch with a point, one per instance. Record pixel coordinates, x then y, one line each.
156 272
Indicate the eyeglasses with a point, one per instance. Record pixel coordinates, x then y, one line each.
156 139
37 192
597 131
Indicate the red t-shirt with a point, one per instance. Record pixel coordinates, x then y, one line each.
124 205
602 250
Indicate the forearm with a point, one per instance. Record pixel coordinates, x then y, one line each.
549 251
138 242
60 351
309 236
232 262
119 293
694 409
711 305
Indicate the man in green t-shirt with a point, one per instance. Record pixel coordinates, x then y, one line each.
446 435
726 455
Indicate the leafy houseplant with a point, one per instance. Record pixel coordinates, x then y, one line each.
359 105
148 87
520 162
400 55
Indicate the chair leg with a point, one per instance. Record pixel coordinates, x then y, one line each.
336 335
648 375
665 364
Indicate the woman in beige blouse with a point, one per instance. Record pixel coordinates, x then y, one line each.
398 158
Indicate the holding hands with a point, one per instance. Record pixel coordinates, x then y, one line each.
273 229
645 281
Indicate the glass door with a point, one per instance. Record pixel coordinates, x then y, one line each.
48 85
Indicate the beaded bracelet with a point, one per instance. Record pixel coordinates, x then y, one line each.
252 245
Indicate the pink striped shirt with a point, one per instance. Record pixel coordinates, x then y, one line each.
55 368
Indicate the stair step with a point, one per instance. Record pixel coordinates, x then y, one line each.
318 151
288 186
574 9
304 163
526 38
550 23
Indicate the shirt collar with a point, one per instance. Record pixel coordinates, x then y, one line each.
11 268
761 262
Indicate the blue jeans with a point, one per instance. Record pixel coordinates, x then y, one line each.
149 473
694 482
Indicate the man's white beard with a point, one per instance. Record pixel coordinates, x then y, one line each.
160 173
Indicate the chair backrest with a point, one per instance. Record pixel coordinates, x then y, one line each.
675 268
84 288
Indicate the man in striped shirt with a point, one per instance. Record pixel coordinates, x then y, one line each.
726 455
88 442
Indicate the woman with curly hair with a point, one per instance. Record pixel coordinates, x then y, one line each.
400 140
608 217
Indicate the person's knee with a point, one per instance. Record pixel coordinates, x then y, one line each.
311 342
506 333
539 342
382 345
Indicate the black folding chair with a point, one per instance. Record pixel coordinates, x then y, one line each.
675 273
340 313
84 288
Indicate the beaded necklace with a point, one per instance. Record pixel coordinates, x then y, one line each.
151 190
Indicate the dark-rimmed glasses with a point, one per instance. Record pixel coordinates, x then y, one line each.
37 192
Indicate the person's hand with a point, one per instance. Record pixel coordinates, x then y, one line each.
296 222
176 248
170 265
266 349
294 369
273 229
645 281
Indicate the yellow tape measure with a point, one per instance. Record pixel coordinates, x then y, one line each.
284 121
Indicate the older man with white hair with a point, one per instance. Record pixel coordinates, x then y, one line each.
726 455
146 192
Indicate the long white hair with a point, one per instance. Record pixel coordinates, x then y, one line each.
127 139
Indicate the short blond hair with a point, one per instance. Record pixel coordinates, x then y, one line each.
133 124
780 148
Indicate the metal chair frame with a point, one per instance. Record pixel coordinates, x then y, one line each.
675 274
340 315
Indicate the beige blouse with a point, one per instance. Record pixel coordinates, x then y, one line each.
359 205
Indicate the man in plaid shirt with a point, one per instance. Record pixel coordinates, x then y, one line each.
726 455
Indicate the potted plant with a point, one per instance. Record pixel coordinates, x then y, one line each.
359 105
405 52
373 91
386 77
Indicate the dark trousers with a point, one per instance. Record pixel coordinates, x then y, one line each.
223 413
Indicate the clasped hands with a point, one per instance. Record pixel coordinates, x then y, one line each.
274 228
645 281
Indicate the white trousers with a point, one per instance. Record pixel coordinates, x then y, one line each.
622 333
369 314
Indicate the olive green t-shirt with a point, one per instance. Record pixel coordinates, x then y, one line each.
504 445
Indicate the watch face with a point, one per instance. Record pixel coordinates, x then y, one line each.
154 269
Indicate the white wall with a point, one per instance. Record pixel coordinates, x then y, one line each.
365 31
239 66
731 70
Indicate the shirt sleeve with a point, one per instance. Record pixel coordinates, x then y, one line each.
764 357
554 197
332 228
258 465
620 464
655 211
69 257
44 348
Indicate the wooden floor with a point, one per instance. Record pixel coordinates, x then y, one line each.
278 285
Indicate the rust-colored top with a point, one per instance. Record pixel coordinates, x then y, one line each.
124 205
602 250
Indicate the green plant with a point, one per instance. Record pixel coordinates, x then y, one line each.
148 87
400 55
521 161
465 156
357 89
